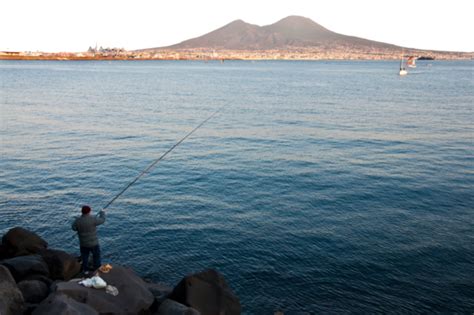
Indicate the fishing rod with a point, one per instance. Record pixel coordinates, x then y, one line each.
159 159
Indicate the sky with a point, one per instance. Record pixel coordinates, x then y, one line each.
62 25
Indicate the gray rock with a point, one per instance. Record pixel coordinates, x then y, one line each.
19 241
62 266
133 297
60 304
208 293
23 266
159 290
11 301
34 291
170 307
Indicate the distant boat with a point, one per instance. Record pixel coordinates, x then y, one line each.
411 62
403 71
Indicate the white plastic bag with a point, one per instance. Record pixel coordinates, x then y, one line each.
86 282
98 282
94 282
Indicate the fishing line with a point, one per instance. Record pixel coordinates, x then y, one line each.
159 159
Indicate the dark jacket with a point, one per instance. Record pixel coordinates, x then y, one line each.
85 226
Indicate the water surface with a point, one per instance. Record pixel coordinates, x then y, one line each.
320 187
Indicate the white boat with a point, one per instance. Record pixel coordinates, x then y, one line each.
411 62
402 71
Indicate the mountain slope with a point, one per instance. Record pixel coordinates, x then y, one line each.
303 32
235 35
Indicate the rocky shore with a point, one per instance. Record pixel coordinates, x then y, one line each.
35 279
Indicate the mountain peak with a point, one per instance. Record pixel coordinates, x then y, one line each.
295 19
300 27
236 25
237 22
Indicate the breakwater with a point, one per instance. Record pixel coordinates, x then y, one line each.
37 280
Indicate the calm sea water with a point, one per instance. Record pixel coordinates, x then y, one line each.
320 187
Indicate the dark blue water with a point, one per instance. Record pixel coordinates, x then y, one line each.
320 187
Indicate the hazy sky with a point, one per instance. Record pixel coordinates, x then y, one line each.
62 25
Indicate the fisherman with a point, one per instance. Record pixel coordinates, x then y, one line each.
85 226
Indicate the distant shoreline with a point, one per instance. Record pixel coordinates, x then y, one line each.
27 58
205 55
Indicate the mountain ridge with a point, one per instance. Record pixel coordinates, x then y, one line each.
291 38
290 32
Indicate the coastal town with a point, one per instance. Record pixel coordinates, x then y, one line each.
292 53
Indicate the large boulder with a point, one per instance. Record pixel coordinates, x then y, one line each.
11 301
60 304
133 296
19 241
41 278
33 291
208 293
24 266
170 307
62 266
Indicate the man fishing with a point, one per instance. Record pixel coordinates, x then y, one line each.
85 225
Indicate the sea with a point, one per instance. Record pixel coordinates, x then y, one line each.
316 187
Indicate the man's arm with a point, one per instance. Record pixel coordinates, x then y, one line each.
101 218
74 225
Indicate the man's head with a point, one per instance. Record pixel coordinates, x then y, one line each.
86 209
